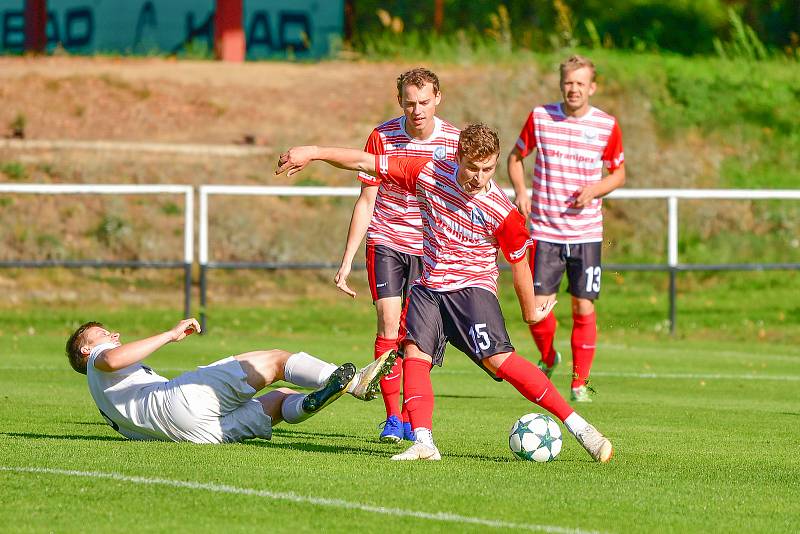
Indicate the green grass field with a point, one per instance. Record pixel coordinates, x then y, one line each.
705 428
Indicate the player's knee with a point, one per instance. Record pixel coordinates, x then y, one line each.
582 306
494 362
389 330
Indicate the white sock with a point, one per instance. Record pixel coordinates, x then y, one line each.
575 423
424 436
304 370
292 409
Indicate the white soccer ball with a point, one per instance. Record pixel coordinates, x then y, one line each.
535 437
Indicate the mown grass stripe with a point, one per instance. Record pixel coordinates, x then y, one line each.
610 374
293 497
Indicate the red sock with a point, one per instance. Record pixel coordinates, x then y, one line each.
534 385
584 338
391 383
543 334
418 392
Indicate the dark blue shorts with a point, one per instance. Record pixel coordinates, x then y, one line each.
469 319
391 273
581 261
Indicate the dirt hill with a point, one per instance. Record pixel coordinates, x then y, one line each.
274 105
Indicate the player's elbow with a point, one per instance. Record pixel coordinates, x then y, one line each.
620 173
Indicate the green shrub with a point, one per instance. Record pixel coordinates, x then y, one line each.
14 170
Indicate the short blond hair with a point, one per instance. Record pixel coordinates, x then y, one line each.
574 63
478 142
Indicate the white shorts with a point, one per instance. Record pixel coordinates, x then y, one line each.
213 404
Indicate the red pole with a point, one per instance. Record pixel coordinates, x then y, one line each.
36 25
438 15
229 42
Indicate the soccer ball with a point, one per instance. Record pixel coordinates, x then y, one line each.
535 437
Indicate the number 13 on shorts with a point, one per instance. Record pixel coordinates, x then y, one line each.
593 279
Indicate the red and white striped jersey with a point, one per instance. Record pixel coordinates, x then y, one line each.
396 221
570 153
461 233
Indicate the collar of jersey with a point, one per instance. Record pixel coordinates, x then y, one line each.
437 126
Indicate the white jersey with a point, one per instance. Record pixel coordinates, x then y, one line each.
122 397
212 404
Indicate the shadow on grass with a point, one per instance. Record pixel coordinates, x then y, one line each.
291 433
62 436
88 423
384 451
319 448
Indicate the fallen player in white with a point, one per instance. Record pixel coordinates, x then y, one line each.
214 403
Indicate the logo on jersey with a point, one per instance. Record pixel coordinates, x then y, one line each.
439 153
477 216
590 134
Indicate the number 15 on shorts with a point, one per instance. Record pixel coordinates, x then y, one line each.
480 339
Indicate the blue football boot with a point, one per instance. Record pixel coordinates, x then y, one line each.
392 430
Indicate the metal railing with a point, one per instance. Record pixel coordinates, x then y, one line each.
96 189
672 196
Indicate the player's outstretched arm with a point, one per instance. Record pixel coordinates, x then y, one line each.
136 351
359 222
523 286
516 175
295 159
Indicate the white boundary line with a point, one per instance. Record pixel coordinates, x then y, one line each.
695 376
610 374
661 376
294 497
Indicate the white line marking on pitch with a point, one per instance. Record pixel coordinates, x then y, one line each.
678 376
610 374
694 376
293 497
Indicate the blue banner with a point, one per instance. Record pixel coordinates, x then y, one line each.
273 28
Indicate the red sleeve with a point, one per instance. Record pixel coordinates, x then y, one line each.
374 145
613 156
513 237
402 171
527 137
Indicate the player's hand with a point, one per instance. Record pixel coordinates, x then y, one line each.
184 328
523 204
295 159
341 280
542 311
582 197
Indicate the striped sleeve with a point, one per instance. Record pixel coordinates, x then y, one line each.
526 142
400 171
513 237
374 145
